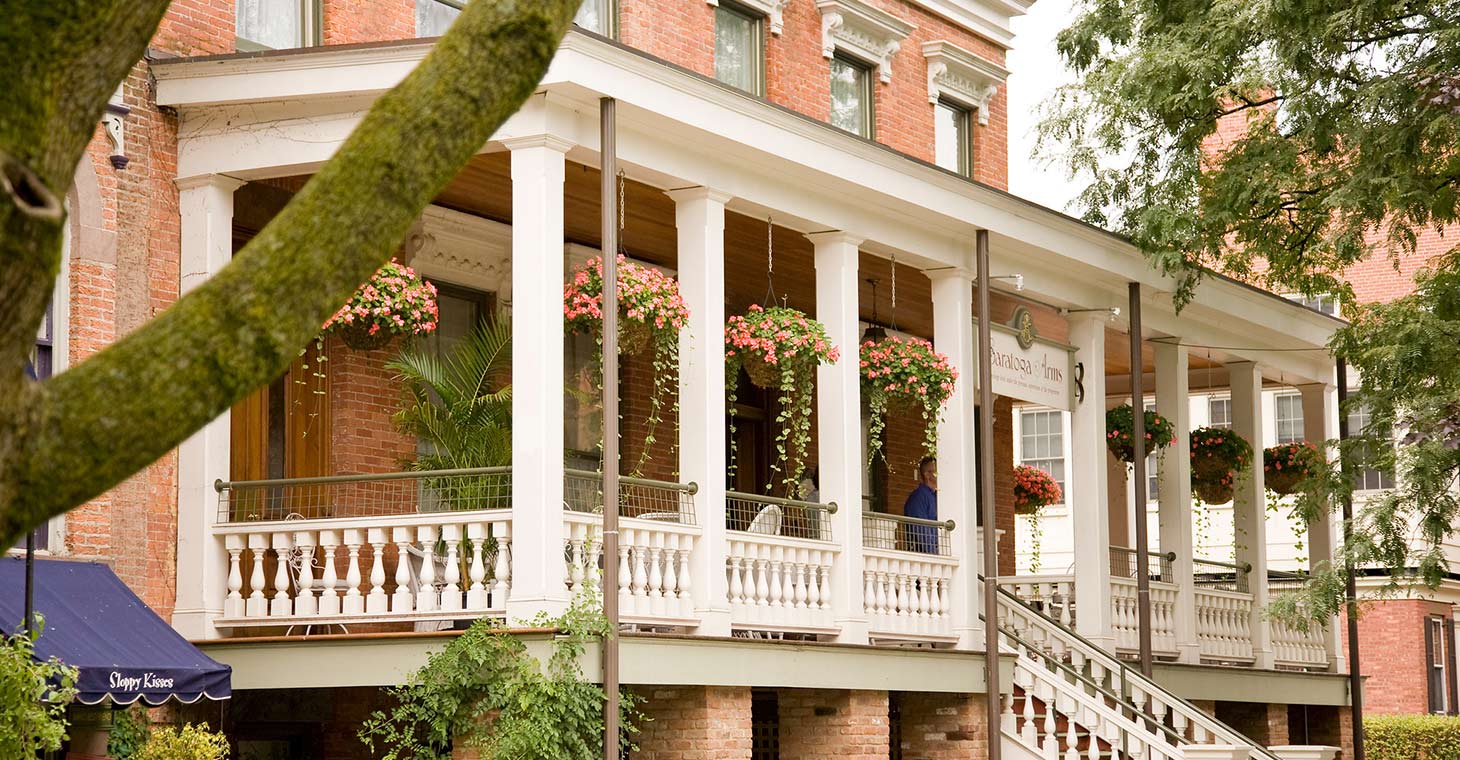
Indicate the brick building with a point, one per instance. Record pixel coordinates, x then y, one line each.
850 143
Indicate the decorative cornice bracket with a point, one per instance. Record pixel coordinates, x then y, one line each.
773 10
863 31
960 76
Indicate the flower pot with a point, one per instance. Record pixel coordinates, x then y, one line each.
1284 482
903 405
1213 490
762 373
1210 468
357 336
1027 509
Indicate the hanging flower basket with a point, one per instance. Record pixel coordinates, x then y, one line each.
650 308
1034 489
780 349
396 301
904 377
1218 456
1120 426
1286 465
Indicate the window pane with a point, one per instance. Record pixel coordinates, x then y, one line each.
433 17
737 54
850 105
1288 414
271 23
1042 443
1368 478
593 16
950 137
1219 412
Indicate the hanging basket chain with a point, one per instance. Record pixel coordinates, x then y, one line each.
894 291
770 265
621 247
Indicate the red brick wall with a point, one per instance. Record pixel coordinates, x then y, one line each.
363 397
347 21
682 33
823 724
1266 724
1392 654
943 726
694 723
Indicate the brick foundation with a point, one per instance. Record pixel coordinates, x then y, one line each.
1266 724
694 723
942 726
821 724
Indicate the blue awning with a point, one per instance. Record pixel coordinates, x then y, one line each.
94 622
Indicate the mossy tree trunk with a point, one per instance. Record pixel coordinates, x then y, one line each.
68 439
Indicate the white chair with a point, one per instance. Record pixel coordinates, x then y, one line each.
767 521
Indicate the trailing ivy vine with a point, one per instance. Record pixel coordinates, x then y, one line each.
485 691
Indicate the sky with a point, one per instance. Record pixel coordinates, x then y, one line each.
1035 73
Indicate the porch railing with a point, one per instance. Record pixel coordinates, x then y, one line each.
910 534
1124 563
366 495
638 497
778 563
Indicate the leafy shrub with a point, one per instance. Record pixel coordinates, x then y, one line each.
33 698
130 729
1412 737
191 742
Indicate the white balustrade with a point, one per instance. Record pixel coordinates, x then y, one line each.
406 567
907 595
1054 595
779 583
1125 616
1295 648
654 580
1224 625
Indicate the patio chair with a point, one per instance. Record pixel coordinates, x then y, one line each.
767 521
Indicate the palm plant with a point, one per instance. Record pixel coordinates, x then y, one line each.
459 405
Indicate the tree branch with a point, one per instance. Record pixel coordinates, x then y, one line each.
87 429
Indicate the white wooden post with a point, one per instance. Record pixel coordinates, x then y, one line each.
205 205
839 423
957 469
1249 505
1088 499
1320 423
1174 403
539 582
700 220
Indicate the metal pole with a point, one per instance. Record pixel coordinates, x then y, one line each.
1355 680
1138 432
986 493
608 200
30 583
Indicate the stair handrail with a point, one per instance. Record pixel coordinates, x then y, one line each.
1119 700
1128 675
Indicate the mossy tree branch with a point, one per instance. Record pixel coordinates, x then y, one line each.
82 432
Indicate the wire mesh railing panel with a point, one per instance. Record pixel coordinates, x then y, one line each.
1219 576
637 497
909 534
768 515
370 495
1124 563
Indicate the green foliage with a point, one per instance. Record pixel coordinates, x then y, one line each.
33 698
1412 737
460 404
486 691
130 729
191 742
1120 425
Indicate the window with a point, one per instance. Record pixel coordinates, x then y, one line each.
1042 443
1219 412
1288 415
851 96
952 138
459 311
1368 478
1326 303
739 48
765 724
434 17
1153 465
1439 641
276 24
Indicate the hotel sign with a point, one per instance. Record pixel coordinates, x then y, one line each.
1030 368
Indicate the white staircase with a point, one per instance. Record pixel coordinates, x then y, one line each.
1074 701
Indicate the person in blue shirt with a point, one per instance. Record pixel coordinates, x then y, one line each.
923 503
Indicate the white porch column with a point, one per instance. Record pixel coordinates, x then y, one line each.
953 336
1249 506
700 220
839 424
538 569
206 207
1088 496
1320 424
1173 402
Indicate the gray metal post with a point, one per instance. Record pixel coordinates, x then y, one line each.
986 492
608 200
1355 679
1138 433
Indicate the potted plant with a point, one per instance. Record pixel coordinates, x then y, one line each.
1120 426
1218 456
1286 465
396 301
650 308
1034 489
780 349
904 375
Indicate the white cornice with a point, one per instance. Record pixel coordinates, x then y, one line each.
988 18
466 250
961 76
772 9
862 31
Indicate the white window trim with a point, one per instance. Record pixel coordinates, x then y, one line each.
862 32
773 10
311 28
959 76
465 250
1066 451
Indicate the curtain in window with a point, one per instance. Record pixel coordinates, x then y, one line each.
735 48
271 23
848 96
593 15
950 137
434 17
